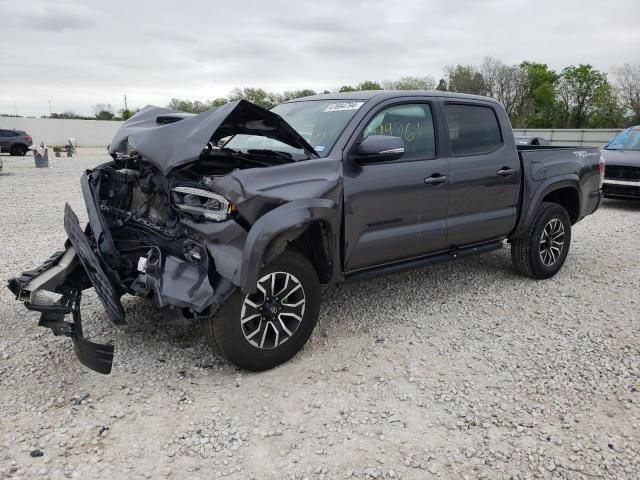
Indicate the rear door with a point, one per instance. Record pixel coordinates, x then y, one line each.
390 213
484 182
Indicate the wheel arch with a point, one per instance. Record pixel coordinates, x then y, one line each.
311 225
555 190
566 197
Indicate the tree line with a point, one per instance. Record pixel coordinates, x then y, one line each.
533 94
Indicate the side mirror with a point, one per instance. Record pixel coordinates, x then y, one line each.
379 148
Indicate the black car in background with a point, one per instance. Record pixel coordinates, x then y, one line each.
622 160
15 142
531 141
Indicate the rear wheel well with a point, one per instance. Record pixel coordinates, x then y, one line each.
313 240
568 198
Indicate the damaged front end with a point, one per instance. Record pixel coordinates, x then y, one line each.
135 243
158 227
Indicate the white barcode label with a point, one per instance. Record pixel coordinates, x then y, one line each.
338 107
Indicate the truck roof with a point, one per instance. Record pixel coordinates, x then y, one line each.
387 94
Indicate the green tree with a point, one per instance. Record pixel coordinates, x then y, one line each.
126 114
412 83
369 85
181 105
68 114
346 88
218 102
442 85
465 79
199 107
291 94
607 109
254 95
578 90
103 111
537 105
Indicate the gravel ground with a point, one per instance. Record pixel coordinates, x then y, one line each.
463 370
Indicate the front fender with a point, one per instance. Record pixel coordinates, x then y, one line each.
289 216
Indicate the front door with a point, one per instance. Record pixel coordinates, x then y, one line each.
396 210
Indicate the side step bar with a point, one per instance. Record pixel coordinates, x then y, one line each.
421 262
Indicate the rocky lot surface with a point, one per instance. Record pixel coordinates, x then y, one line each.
463 370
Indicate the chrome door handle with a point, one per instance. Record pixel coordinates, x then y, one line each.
435 179
505 172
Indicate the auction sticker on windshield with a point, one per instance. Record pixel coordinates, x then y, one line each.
339 107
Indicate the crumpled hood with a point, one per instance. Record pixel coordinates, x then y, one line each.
621 158
169 138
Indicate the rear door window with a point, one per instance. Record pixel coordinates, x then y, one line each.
473 129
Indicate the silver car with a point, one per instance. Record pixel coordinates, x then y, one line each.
622 165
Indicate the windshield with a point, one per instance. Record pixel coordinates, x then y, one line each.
628 139
319 122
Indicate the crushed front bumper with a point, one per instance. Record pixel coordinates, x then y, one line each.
55 288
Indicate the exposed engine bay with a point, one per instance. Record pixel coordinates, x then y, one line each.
156 255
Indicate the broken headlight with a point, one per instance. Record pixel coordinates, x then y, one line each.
201 203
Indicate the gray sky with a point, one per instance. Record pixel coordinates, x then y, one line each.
79 53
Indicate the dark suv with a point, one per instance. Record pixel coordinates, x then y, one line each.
234 217
15 142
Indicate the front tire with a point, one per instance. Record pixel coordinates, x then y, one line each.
542 250
262 330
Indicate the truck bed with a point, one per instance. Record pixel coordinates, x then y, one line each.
545 166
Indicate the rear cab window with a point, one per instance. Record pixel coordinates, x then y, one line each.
473 129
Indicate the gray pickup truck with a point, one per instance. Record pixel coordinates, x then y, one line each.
236 216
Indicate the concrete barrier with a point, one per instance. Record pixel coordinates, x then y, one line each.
88 133
98 133
585 137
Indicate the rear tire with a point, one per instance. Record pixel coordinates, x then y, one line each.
542 250
260 331
19 151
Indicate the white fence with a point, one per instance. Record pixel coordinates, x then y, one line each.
88 133
586 137
98 133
